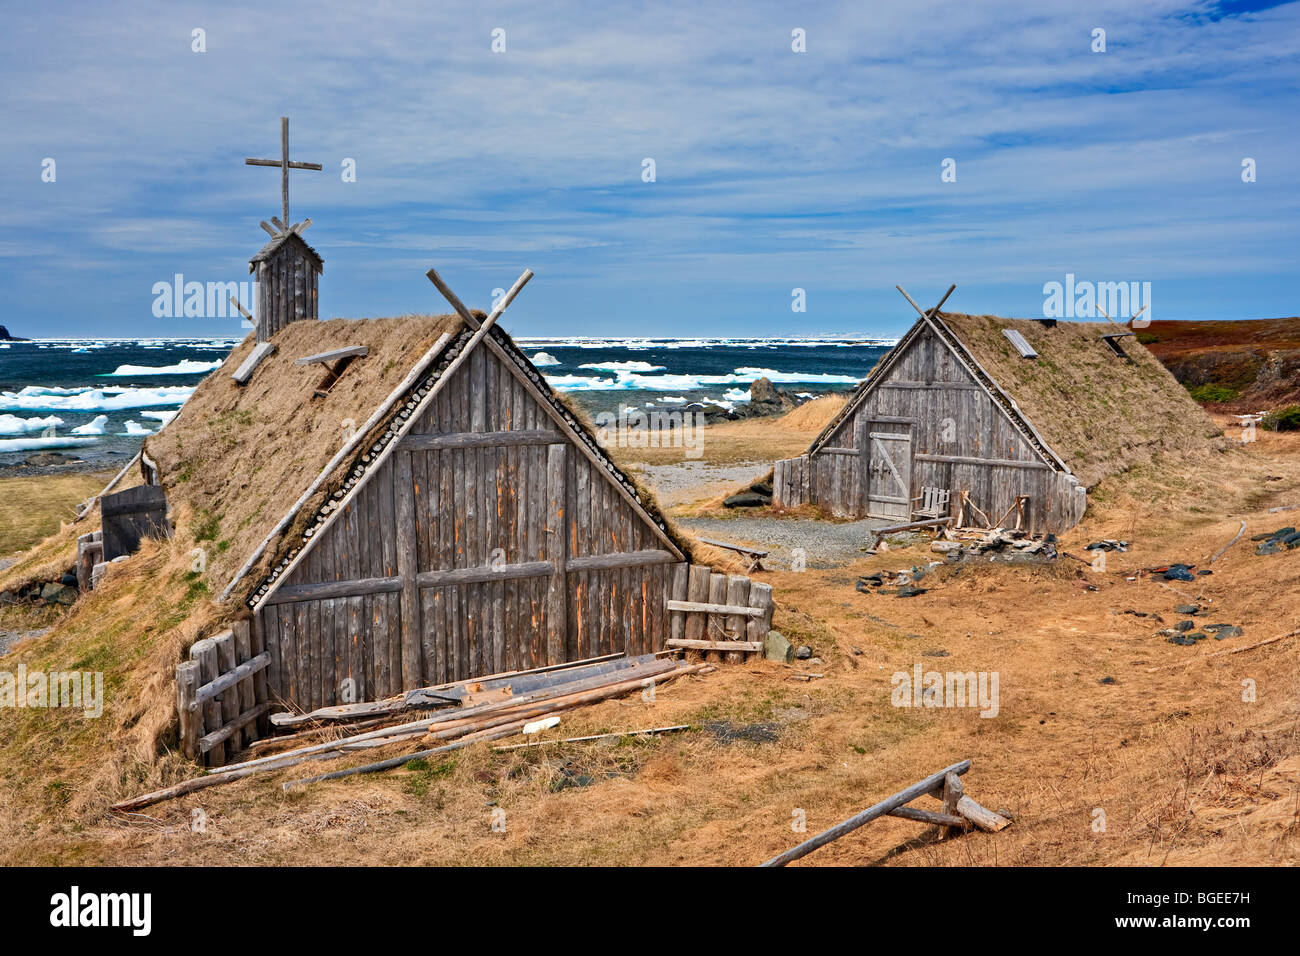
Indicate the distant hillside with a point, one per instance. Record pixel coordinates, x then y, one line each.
6 337
1246 366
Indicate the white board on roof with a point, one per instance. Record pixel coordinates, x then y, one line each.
1015 338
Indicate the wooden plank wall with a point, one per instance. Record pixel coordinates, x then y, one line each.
287 290
962 441
521 554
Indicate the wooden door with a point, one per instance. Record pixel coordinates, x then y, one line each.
888 475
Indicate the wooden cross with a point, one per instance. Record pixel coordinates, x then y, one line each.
285 166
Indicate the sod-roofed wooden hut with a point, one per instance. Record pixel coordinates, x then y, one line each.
404 502
995 411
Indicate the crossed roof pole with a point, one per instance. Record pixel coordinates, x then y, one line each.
933 312
480 328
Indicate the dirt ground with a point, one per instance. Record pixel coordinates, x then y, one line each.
1109 746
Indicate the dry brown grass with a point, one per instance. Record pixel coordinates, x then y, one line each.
1185 771
34 510
239 457
1102 414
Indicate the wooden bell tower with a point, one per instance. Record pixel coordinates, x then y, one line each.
287 268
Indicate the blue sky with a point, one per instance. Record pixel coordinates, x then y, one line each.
774 169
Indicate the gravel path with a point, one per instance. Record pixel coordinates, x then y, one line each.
686 481
826 544
9 638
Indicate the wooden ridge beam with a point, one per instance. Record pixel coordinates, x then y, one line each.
432 441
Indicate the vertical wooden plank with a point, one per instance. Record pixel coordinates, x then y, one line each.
677 592
247 697
378 643
361 685
716 623
257 644
737 624
302 638
204 653
289 654
268 623
187 685
225 644
697 590
554 521
405 492
760 596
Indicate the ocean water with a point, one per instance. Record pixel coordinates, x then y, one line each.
96 398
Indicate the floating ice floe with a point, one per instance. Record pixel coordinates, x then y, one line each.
13 425
183 367
620 368
135 428
542 359
32 444
673 383
109 399
95 427
163 417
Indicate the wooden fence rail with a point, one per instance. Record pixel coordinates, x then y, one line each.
718 614
222 695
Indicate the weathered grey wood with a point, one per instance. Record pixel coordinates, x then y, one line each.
556 543
730 647
760 598
943 820
348 351
404 492
244 653
905 796
622 559
984 462
187 684
986 820
737 624
677 592
204 653
705 607
261 351
127 516
426 441
225 644
484 573
233 728
335 589
952 794
697 591
715 628
218 686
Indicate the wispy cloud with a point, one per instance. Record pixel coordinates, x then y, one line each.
774 169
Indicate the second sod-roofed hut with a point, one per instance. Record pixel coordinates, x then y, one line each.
996 410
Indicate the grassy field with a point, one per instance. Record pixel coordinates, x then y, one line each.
31 508
1111 746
